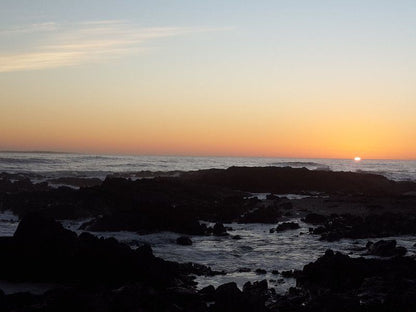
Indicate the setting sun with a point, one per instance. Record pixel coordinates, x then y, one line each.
357 158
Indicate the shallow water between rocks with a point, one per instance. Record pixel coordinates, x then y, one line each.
257 249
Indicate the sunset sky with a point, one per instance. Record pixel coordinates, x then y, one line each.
330 79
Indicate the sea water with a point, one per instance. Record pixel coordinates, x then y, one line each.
44 165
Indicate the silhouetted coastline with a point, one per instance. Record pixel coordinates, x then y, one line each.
92 274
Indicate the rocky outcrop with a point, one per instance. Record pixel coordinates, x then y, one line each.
43 251
373 225
337 282
229 298
184 241
385 248
287 226
314 218
283 180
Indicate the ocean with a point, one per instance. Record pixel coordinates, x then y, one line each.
43 165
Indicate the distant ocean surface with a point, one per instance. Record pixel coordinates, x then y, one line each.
43 165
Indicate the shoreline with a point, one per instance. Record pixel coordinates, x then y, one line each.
337 210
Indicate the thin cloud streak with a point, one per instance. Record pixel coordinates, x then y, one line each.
86 42
34 28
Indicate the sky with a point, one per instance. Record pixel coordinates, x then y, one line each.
319 79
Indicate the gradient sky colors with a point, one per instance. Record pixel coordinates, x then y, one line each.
239 78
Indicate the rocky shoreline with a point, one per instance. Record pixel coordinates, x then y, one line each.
95 274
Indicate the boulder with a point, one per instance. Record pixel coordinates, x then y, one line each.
385 248
184 240
43 251
219 230
287 226
314 218
260 271
269 214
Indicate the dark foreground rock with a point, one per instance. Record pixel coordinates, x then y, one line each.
229 298
41 250
387 224
336 282
92 274
105 275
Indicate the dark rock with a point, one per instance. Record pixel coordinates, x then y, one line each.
269 214
199 269
287 226
256 294
314 218
219 230
77 182
286 205
41 247
284 180
244 270
260 271
275 272
227 294
385 248
208 293
229 298
340 272
354 227
184 240
272 197
288 274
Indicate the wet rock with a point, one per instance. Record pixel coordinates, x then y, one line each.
269 214
77 182
314 218
275 272
256 293
241 270
287 226
286 205
199 269
229 298
184 240
340 272
373 225
219 230
272 197
41 247
385 248
236 237
260 271
208 293
289 273
336 282
284 180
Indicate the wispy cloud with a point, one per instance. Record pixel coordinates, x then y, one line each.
55 45
41 27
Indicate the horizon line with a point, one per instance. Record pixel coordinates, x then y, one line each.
181 155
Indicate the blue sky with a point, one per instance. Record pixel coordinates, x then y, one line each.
222 63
